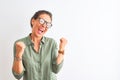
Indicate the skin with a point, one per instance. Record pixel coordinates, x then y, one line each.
38 30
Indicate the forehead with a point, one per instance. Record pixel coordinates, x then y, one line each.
46 17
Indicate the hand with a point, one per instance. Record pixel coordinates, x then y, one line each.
20 46
62 44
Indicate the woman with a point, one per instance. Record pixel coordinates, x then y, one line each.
37 57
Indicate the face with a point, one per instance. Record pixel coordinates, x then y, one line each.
40 25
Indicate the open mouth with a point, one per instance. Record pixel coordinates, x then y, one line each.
40 31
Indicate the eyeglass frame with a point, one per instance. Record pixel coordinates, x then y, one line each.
45 22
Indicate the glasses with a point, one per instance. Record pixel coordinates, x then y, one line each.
42 21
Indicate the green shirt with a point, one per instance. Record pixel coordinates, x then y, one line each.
39 65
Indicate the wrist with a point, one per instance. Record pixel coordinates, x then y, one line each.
18 58
61 52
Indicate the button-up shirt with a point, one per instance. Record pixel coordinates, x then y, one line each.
39 65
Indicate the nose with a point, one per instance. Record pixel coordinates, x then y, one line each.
44 25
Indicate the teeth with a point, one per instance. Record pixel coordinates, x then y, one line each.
40 31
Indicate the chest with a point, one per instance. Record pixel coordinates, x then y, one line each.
33 59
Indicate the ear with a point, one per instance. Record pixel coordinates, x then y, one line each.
33 22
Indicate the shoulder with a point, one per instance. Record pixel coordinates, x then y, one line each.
24 39
51 42
48 39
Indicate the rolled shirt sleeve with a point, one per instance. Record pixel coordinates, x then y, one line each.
18 76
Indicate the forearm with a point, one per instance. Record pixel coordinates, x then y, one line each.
57 65
18 65
60 56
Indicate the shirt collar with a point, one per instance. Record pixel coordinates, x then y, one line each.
29 41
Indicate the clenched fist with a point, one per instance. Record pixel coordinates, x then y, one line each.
62 44
20 46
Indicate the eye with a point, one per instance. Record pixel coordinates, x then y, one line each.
42 21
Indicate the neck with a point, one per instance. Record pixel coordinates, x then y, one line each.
35 39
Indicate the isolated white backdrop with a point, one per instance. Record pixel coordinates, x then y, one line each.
92 28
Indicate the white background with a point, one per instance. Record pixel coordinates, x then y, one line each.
92 28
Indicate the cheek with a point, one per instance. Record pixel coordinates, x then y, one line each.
34 28
35 24
46 30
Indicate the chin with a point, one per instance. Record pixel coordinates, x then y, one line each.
39 35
